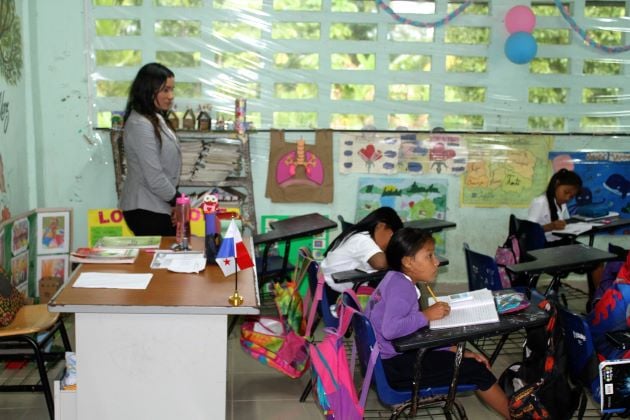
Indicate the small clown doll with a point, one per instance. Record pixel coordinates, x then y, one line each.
210 207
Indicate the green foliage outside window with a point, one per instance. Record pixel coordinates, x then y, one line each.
540 95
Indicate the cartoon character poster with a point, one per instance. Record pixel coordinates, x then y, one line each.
375 153
19 236
412 198
605 177
53 233
19 272
436 153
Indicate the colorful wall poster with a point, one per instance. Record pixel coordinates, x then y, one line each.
505 170
412 198
375 153
605 177
53 233
436 153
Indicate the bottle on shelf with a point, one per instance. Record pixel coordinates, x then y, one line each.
220 124
172 117
203 119
182 222
189 119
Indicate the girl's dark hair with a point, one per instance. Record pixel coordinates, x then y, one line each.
385 215
405 243
562 177
148 82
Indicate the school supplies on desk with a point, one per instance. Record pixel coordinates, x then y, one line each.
180 262
104 256
470 308
583 218
129 242
508 303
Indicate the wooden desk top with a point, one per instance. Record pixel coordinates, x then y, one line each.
168 293
531 316
358 276
431 225
295 227
561 259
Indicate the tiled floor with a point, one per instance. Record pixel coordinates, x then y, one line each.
254 391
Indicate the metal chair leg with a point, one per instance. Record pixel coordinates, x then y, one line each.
43 374
307 390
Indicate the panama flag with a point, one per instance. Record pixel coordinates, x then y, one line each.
232 252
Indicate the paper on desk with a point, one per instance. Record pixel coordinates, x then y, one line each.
575 228
113 280
180 262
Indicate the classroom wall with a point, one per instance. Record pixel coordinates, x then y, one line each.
15 133
73 167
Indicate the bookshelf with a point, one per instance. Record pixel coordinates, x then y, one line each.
215 159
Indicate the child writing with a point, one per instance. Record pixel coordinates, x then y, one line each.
550 209
394 312
361 246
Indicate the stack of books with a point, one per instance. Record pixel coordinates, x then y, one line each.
104 256
126 242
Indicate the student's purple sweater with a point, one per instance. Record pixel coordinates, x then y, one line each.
394 312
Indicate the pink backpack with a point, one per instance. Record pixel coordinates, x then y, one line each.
333 384
281 342
508 254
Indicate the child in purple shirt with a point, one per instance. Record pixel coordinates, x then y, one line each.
394 312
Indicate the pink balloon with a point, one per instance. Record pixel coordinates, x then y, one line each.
520 19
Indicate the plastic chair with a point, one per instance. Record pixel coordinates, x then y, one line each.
344 225
482 271
26 338
530 235
582 357
365 341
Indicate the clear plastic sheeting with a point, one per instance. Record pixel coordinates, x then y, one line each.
348 64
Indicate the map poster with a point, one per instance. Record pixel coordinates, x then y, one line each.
412 198
505 170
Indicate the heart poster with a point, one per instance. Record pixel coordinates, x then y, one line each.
374 153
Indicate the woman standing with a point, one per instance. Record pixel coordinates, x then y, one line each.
152 153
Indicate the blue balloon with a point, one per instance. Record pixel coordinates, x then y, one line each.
520 47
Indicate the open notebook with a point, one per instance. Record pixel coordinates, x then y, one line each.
470 308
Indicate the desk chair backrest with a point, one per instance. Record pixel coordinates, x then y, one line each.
482 271
582 357
323 306
531 235
343 223
365 341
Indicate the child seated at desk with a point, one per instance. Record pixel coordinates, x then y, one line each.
394 312
612 313
550 209
360 246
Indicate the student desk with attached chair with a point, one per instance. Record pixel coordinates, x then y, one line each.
286 230
426 338
559 261
156 353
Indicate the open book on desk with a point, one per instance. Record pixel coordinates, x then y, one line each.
574 228
470 308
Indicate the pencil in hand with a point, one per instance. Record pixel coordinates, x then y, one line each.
432 294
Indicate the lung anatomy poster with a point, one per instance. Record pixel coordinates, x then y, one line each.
605 181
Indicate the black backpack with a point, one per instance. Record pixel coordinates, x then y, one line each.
538 387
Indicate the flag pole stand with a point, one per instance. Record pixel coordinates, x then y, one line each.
235 298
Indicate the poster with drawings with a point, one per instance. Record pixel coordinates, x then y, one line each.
412 198
436 153
19 272
20 231
374 153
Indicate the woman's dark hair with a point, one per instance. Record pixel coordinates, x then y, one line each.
405 243
368 224
562 177
148 82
